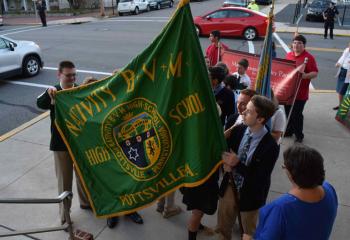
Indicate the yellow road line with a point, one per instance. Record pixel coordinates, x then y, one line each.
24 126
321 49
322 91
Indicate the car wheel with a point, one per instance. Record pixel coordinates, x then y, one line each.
198 30
136 11
171 4
31 66
148 8
250 33
158 6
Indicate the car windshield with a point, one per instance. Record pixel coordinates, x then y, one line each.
238 2
3 45
319 4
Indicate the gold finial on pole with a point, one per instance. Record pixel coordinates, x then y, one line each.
182 3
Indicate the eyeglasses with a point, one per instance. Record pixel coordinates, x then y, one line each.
298 43
70 75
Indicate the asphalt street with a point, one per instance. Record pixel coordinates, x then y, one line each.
110 44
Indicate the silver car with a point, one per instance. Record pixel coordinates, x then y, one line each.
19 58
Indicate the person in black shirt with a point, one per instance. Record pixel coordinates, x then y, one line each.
223 96
41 7
328 17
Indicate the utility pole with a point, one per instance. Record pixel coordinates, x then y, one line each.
102 8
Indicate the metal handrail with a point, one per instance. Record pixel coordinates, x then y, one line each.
59 199
63 197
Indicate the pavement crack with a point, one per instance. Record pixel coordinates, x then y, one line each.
26 141
25 173
99 233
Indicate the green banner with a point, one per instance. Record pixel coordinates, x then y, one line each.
343 114
147 130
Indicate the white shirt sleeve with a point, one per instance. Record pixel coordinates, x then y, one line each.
278 120
245 80
344 59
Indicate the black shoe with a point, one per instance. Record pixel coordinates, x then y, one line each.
112 222
135 217
336 108
85 207
288 134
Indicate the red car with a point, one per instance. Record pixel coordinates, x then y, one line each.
233 22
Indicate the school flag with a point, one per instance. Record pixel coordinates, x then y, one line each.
262 84
343 114
147 130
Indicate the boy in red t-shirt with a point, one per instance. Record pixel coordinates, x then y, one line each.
298 54
213 52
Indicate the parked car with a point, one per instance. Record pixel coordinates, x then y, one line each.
19 57
235 3
315 9
233 21
158 4
1 20
133 6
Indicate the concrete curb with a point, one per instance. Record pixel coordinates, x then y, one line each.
24 126
73 20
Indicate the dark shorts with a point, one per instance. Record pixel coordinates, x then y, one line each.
204 197
344 89
341 79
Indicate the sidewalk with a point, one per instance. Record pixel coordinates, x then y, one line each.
51 20
27 170
281 27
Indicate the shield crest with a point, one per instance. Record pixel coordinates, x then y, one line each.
138 139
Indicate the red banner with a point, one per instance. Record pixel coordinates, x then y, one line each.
283 74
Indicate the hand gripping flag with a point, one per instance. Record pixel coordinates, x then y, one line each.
147 130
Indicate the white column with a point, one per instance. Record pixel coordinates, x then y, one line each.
5 5
47 5
25 5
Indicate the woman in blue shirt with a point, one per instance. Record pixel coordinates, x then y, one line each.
309 209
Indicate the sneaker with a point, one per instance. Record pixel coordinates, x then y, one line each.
336 108
288 134
160 209
112 222
135 217
169 212
85 207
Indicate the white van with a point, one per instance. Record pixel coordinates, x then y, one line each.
133 6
